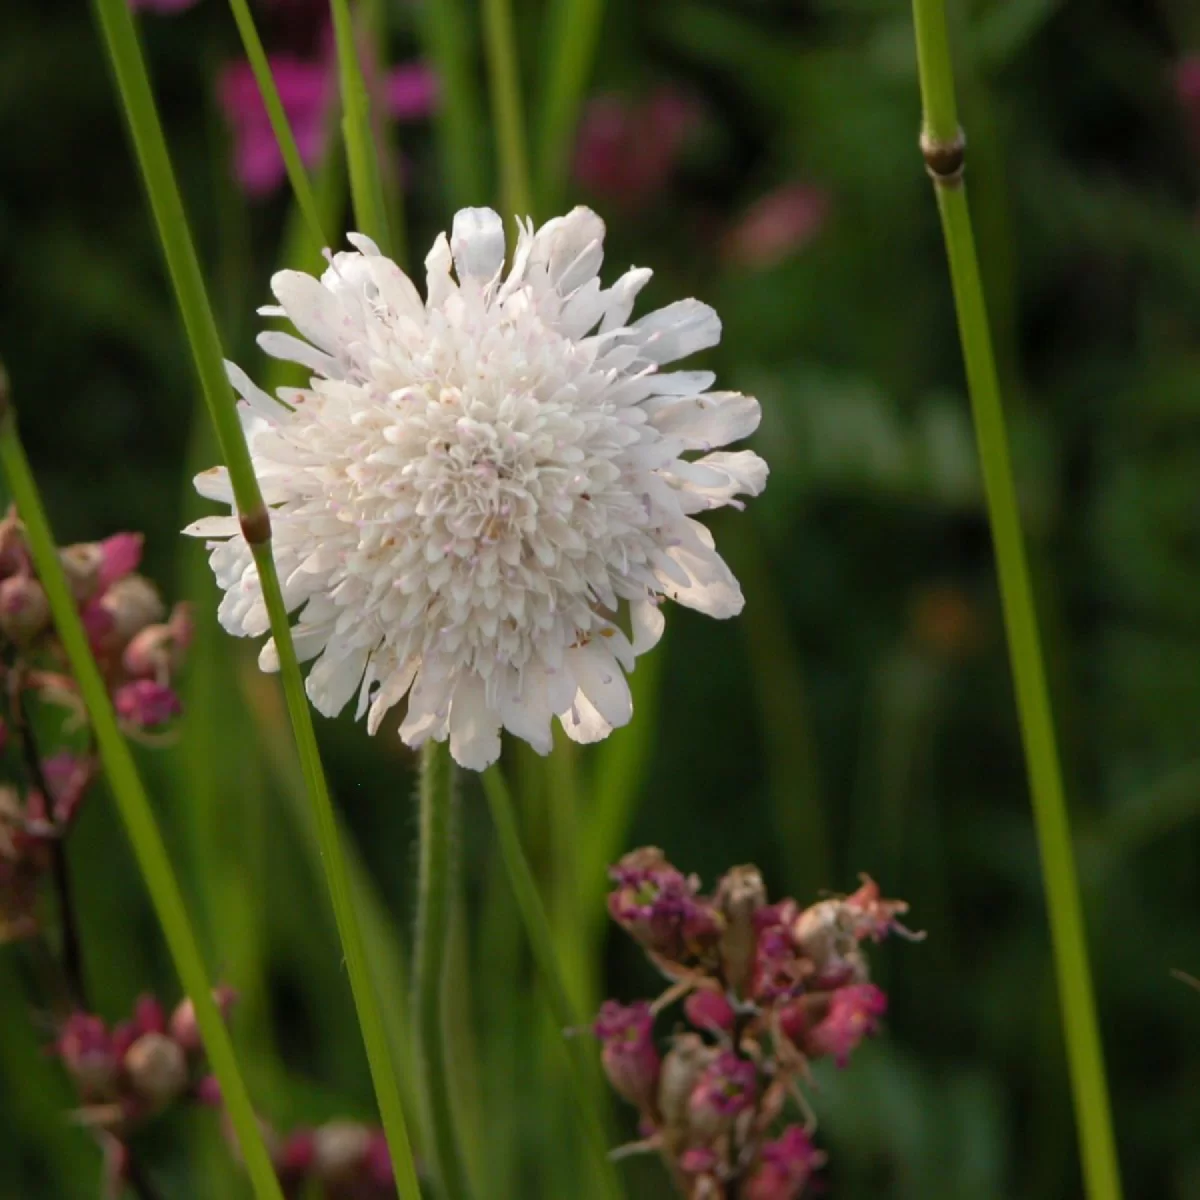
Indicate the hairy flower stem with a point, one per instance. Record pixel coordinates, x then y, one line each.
944 147
435 893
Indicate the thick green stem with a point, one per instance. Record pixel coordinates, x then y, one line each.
192 298
435 895
944 147
505 75
541 942
135 809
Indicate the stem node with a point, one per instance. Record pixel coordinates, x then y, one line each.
945 160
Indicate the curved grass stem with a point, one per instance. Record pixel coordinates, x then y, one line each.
943 146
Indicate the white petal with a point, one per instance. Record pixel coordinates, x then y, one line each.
428 709
249 391
474 727
438 284
477 242
390 693
335 677
621 297
214 484
648 623
312 308
602 681
713 590
214 527
291 349
582 723
362 243
678 330
712 419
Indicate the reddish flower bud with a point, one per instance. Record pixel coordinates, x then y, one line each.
726 1087
156 1068
340 1152
709 1009
631 1060
68 776
148 1015
777 225
379 1161
208 1092
14 556
785 1167
86 1049
146 704
81 565
24 610
854 1014
184 1027
296 1157
659 908
119 556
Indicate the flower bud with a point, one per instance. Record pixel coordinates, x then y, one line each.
659 908
24 610
295 1158
158 650
131 604
68 776
681 1068
119 557
146 704
740 894
184 1027
826 935
81 565
340 1151
156 1068
379 1162
853 1014
785 1167
14 556
630 1058
86 1049
727 1087
709 1009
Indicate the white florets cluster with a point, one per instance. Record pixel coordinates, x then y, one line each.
481 499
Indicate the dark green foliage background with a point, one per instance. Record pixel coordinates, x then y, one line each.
821 734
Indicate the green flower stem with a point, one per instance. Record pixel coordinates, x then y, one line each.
505 75
296 173
184 267
135 809
943 147
366 186
541 941
435 893
571 47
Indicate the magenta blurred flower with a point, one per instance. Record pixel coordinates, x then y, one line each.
307 90
786 1166
727 1086
627 150
629 1055
854 1014
777 225
146 704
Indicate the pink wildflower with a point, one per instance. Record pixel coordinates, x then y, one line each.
631 1060
726 1087
854 1014
777 225
709 1009
785 1167
307 90
627 150
146 704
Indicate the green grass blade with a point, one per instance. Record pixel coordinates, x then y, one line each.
541 942
136 812
574 27
366 186
505 76
449 46
297 176
179 251
943 147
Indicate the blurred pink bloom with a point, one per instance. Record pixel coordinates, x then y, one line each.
853 1015
1187 90
777 225
119 556
787 1164
307 89
627 150
146 704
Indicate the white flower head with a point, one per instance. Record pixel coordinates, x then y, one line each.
480 500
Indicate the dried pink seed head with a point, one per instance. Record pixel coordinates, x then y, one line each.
739 896
631 1060
708 1008
785 1167
854 1014
727 1087
81 565
131 604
